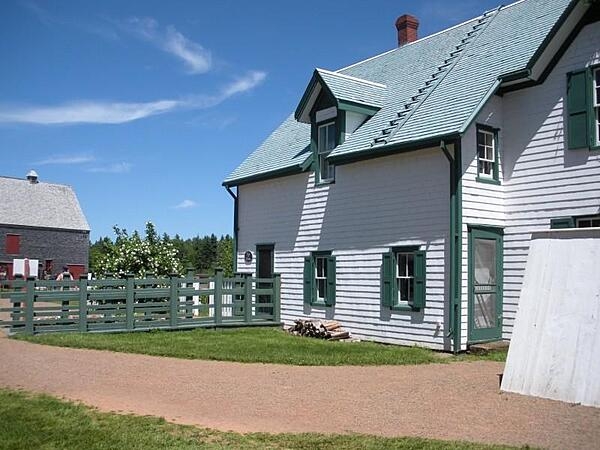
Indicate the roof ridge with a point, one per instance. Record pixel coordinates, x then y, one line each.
350 77
24 180
501 7
434 80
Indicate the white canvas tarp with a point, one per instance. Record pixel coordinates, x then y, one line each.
555 346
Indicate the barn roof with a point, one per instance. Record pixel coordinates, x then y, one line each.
431 88
43 205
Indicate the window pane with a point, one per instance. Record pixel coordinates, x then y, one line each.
403 291
402 264
320 267
480 138
484 310
596 222
406 289
322 138
330 137
411 265
324 168
485 261
321 288
489 139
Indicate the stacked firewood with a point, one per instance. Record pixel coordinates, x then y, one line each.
320 329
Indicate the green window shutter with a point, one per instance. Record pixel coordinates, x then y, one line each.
578 101
309 276
420 276
387 280
331 273
562 222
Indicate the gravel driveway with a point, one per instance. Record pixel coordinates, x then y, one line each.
444 401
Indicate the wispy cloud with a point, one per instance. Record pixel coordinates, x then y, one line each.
186 204
121 167
120 112
196 58
85 112
49 19
66 160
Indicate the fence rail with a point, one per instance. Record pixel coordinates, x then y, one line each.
37 306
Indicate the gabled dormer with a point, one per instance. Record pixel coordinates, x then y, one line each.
335 105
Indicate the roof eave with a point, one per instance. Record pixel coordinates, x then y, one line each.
285 171
391 149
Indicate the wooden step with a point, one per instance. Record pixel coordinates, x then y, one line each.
487 347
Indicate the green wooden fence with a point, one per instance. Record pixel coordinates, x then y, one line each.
128 304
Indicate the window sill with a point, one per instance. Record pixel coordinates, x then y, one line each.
324 182
488 181
404 308
320 304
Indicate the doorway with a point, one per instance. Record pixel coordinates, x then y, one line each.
264 269
485 283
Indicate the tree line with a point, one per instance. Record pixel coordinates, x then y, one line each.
161 255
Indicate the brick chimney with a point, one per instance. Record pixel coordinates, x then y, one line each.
407 29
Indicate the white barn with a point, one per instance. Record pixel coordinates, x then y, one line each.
400 196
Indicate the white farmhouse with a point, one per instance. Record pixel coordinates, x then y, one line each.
400 196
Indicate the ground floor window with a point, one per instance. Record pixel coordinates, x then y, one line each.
403 271
319 279
575 222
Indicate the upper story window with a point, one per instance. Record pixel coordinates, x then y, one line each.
326 137
583 109
487 155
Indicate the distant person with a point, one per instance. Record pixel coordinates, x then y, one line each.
64 275
3 273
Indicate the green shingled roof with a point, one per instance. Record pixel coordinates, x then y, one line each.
434 87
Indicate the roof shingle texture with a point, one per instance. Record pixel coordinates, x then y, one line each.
353 89
41 205
505 45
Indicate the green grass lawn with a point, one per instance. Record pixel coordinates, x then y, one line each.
37 421
251 345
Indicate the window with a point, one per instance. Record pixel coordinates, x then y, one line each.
403 273
319 279
325 143
487 154
596 96
13 244
575 222
583 108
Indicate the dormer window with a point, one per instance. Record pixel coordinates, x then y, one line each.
326 137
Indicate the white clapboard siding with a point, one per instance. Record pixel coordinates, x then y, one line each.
482 203
372 206
542 179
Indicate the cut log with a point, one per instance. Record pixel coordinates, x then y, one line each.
337 335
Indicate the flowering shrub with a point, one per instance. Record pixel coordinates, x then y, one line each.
137 255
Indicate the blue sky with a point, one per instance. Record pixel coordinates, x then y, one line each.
145 106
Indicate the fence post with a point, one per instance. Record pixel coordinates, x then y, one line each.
189 300
29 305
129 293
277 297
17 306
247 297
83 294
218 295
173 299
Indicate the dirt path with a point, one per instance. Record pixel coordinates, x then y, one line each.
451 401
